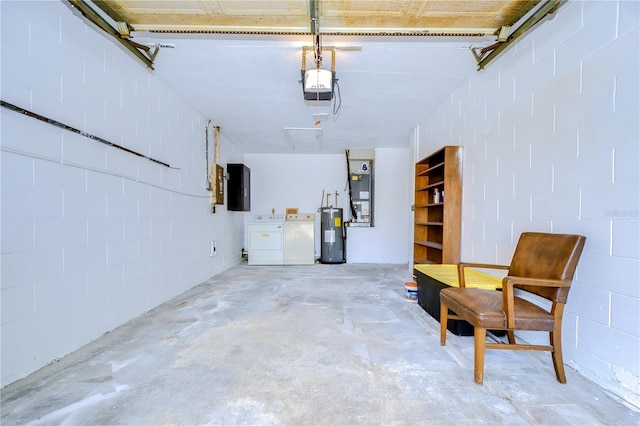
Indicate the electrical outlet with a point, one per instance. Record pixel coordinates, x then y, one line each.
212 248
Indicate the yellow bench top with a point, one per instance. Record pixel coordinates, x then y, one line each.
448 274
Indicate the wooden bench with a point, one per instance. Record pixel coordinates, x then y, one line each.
432 278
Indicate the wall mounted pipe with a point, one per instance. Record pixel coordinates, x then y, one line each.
206 154
68 128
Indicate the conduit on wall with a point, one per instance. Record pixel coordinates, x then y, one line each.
80 132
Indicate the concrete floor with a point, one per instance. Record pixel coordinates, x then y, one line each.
322 344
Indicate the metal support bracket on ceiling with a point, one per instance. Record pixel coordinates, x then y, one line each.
485 55
306 49
146 54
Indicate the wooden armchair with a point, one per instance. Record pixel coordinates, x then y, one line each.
543 264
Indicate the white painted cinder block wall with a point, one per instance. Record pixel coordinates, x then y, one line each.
551 140
93 236
279 181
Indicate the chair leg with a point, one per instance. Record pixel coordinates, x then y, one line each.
512 337
479 337
444 317
556 355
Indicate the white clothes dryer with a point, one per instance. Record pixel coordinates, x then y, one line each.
266 240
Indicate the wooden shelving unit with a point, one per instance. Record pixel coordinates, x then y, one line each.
436 230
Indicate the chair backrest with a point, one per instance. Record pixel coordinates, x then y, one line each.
547 256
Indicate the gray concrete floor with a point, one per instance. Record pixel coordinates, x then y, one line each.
322 344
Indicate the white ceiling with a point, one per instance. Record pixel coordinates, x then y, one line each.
250 86
239 62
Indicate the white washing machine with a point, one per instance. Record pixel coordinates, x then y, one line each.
266 240
299 239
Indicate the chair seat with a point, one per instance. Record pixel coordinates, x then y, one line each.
484 308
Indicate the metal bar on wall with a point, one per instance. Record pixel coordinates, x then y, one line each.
74 130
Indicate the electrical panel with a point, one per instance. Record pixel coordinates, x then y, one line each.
217 184
361 186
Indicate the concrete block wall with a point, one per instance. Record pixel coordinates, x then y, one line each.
551 143
93 236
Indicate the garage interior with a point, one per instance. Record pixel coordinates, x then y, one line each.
127 297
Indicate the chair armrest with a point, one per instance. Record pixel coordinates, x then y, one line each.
461 266
511 281
508 294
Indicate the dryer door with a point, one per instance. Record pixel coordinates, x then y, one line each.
265 244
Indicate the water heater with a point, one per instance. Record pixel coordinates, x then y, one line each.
332 244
